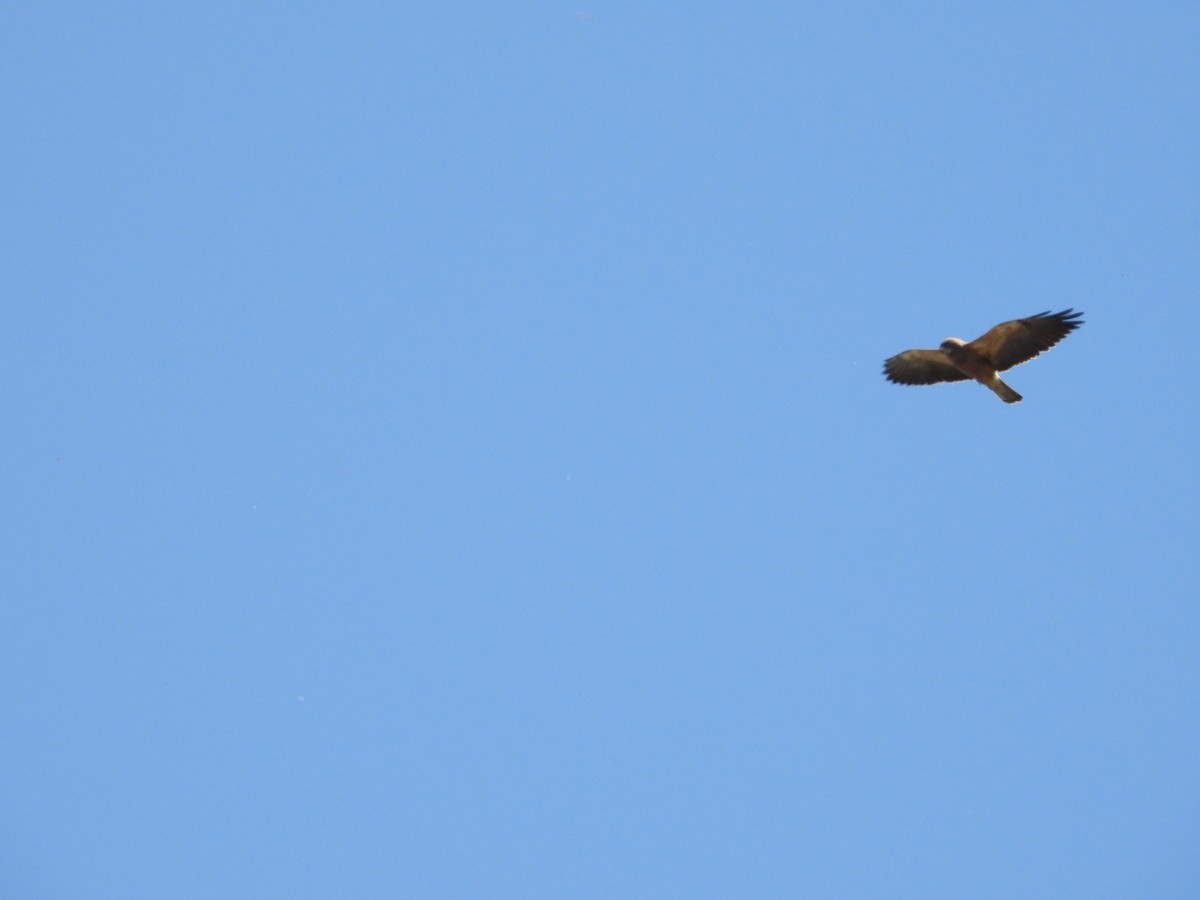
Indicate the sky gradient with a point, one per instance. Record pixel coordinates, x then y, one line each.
445 451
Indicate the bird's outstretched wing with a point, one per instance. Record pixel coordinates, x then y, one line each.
1012 343
921 367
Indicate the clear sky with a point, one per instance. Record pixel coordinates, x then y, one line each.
445 452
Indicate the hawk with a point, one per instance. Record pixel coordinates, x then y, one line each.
1008 344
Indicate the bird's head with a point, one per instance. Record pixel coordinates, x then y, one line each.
951 343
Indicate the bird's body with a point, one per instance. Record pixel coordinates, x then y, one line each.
1008 344
972 364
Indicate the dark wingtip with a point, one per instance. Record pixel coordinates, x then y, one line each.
1067 317
887 371
1070 318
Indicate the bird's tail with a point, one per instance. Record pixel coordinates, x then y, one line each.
1004 392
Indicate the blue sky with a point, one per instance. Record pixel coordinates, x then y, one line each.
445 452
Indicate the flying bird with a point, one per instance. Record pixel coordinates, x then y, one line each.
1008 344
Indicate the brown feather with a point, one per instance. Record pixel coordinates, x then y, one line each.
1012 343
921 367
